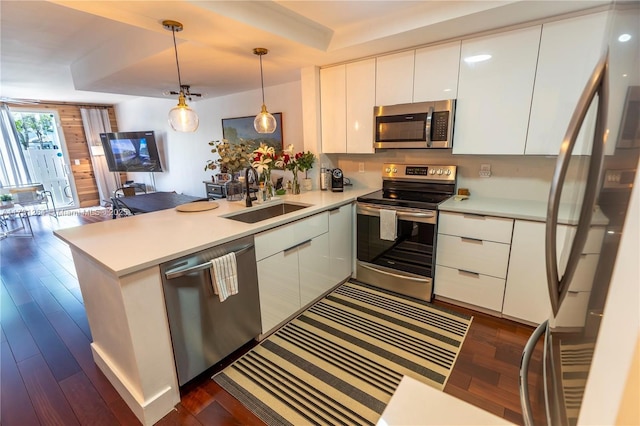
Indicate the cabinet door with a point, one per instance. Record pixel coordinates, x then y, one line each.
526 296
494 95
361 98
333 109
341 242
315 269
279 288
569 51
394 78
436 72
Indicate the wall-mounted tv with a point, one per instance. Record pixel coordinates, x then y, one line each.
131 151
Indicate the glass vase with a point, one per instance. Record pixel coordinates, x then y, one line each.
269 191
233 189
295 184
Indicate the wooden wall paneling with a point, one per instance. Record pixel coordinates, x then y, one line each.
77 146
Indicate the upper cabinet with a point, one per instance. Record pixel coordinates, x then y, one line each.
436 72
347 98
495 88
333 109
361 98
569 51
394 78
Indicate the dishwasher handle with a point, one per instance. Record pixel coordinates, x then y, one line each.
175 273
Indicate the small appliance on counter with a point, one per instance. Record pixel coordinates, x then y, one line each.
337 180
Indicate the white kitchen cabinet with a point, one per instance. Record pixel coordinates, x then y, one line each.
526 293
314 269
333 109
436 72
361 98
341 242
347 98
278 283
294 268
472 257
569 51
494 95
394 78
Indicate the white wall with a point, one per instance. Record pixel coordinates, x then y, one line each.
184 155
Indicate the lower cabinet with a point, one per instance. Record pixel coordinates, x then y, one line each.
472 258
301 261
341 242
527 296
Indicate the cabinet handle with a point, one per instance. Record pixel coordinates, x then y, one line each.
474 216
296 246
470 240
335 209
474 274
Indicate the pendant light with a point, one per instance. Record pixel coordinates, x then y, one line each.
181 117
264 122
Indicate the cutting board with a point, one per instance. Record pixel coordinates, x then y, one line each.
197 206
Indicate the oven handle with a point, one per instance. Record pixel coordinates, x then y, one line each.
391 274
400 214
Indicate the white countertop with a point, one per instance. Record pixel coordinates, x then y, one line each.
130 244
415 403
515 209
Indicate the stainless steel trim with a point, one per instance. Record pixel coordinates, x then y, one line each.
463 271
597 84
200 267
428 126
417 215
391 274
296 246
523 380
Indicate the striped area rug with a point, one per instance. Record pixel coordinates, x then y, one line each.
340 361
575 361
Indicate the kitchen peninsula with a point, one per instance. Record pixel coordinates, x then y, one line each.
117 264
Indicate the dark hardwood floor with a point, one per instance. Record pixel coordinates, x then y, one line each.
48 375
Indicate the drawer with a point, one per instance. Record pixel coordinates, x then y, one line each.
593 244
484 257
286 236
476 289
488 228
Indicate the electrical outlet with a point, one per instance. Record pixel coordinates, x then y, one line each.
360 167
485 170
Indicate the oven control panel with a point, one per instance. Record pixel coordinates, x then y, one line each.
419 172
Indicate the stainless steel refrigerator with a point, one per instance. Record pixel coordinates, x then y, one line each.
558 359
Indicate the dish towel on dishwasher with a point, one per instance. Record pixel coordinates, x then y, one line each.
388 230
224 276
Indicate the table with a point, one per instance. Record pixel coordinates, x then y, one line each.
151 202
9 216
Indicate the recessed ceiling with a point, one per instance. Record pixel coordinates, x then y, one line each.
93 51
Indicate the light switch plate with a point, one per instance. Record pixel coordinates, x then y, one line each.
360 167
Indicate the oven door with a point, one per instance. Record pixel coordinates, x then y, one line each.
404 265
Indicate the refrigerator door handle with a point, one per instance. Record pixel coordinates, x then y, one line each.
523 381
597 84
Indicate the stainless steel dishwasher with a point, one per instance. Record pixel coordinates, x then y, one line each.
203 329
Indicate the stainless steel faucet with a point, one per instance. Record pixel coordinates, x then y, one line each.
246 179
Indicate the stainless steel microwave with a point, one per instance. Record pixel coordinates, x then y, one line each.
416 125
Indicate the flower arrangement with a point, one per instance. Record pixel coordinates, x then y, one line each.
298 162
232 158
264 159
305 161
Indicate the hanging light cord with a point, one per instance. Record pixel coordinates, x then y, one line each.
261 80
175 49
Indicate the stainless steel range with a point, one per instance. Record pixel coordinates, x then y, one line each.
397 228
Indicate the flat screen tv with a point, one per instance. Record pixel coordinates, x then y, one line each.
131 151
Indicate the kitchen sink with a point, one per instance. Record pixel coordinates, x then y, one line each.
264 213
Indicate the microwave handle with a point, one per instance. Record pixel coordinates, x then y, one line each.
428 126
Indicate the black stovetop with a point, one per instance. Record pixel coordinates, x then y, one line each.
406 198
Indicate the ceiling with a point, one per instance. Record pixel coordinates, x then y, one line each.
105 51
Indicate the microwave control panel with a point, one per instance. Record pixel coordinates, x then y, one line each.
440 126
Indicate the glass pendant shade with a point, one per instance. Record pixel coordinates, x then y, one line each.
264 122
182 118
